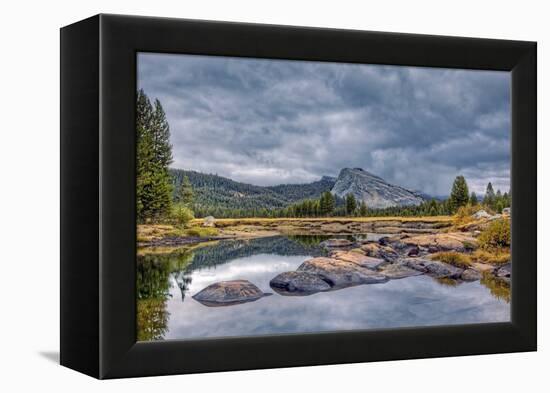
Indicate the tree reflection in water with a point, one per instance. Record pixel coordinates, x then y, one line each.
153 290
154 271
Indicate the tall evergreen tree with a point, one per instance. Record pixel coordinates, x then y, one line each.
489 198
363 209
154 155
459 193
185 195
351 204
473 199
326 204
161 136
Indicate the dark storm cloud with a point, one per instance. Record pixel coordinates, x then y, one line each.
270 121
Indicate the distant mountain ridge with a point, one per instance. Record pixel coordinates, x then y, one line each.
373 190
218 191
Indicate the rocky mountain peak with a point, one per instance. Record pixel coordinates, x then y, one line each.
373 190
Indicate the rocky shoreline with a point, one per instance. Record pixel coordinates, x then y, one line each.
352 263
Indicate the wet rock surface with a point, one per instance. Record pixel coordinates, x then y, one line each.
227 293
437 242
298 283
359 262
359 259
433 268
396 271
470 275
377 250
341 274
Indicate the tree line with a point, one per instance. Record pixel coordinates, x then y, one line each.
328 205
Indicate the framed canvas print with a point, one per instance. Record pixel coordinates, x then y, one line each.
298 196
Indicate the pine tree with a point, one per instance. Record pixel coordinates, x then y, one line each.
326 204
161 136
473 199
154 155
489 198
459 193
351 204
506 199
363 209
185 195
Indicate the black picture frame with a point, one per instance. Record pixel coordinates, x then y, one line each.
98 222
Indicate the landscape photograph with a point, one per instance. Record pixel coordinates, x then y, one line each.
283 197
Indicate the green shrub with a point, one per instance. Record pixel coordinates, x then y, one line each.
453 258
496 236
182 215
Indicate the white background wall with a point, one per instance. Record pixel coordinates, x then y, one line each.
29 218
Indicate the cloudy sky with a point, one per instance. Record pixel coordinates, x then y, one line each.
269 122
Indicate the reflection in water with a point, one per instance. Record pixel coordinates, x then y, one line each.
498 287
153 289
165 312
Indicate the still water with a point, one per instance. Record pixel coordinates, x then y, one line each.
167 281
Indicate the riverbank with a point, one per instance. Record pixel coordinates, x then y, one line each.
246 228
431 242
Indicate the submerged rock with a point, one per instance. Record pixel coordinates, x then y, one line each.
433 268
396 271
298 283
336 243
340 274
227 293
359 259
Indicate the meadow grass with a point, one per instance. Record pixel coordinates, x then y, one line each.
453 258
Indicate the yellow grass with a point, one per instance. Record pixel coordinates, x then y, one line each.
492 257
260 220
453 258
170 249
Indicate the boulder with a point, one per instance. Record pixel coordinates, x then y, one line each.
333 243
505 271
414 251
470 275
481 214
433 268
209 222
341 274
377 250
359 259
506 211
298 283
228 293
396 271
